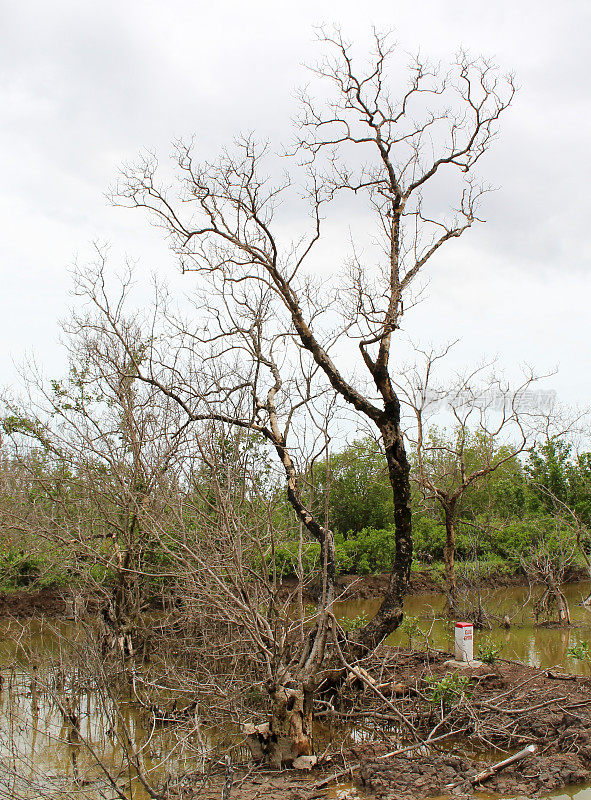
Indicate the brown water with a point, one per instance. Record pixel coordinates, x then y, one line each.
524 642
37 754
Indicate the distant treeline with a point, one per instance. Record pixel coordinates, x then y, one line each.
60 522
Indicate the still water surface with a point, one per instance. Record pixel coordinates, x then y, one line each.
35 746
524 642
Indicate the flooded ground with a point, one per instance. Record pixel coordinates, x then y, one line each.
41 750
523 641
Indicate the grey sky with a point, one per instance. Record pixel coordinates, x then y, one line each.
85 85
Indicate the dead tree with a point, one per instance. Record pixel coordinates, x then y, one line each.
267 339
110 446
363 140
547 563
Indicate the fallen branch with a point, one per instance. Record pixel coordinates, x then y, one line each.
561 676
490 771
369 682
523 710
538 674
401 750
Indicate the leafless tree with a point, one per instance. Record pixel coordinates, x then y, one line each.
547 563
110 446
223 223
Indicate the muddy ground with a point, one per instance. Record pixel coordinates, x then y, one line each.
33 603
367 587
508 706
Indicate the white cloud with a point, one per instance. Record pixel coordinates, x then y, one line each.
85 86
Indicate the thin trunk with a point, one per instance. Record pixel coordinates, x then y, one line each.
390 613
587 601
449 554
561 604
313 653
563 609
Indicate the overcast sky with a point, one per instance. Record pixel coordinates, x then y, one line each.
84 86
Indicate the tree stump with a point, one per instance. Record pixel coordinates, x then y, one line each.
287 735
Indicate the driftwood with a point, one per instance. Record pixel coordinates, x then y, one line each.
354 767
561 676
494 768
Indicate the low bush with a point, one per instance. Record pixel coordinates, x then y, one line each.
23 570
370 551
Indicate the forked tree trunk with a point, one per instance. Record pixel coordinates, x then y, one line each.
288 733
544 604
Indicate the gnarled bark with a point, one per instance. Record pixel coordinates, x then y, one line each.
288 733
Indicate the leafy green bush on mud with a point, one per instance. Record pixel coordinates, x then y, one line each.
448 690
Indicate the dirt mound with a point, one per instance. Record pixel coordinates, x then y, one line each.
41 603
403 778
410 778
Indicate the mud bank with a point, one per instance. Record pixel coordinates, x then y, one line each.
404 778
369 587
506 706
497 711
421 777
40 603
54 602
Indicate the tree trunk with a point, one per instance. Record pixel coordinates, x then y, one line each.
390 613
449 555
563 610
562 606
120 613
288 733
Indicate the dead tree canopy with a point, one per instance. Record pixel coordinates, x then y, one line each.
387 138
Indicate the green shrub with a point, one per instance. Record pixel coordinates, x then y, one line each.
448 690
489 650
286 558
349 624
579 651
411 628
19 570
369 551
24 570
428 537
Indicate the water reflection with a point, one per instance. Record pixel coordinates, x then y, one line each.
52 721
524 642
64 736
